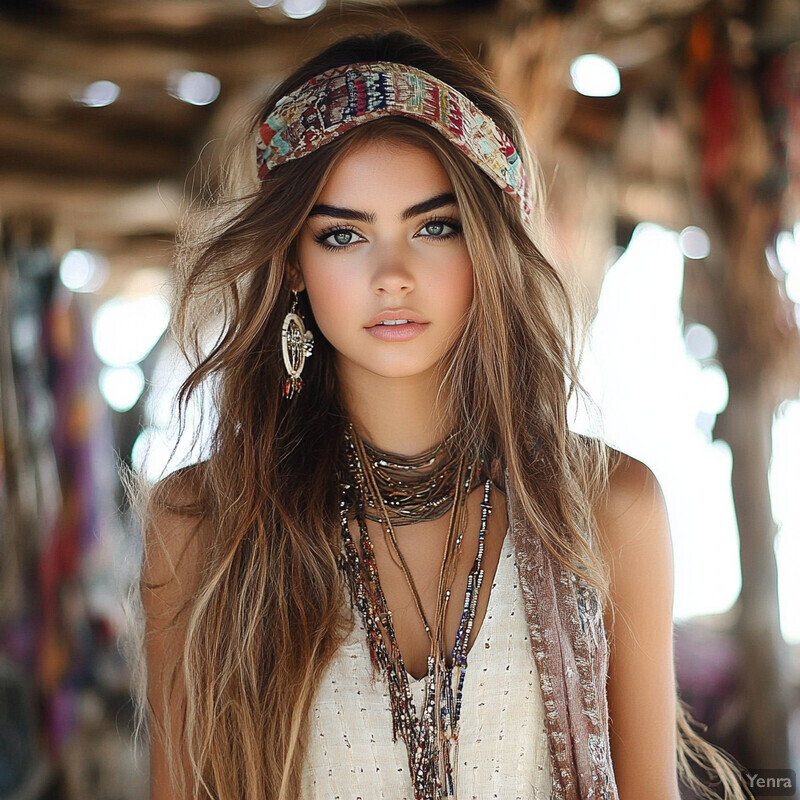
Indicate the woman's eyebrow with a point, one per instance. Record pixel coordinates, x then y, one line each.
446 199
325 210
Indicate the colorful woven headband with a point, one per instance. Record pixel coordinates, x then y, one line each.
338 100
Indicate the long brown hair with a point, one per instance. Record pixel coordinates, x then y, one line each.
265 618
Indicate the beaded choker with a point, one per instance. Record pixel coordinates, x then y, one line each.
415 489
431 736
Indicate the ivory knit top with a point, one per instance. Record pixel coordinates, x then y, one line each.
503 749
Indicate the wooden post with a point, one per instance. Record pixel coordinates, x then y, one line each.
759 350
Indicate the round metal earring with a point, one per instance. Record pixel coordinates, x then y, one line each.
297 344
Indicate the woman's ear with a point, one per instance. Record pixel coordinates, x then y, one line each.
294 278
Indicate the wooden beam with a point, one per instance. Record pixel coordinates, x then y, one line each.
240 51
42 149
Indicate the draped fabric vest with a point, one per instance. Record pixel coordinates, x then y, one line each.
568 638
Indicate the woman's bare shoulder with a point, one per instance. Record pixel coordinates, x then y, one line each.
181 492
174 534
174 540
634 528
631 519
632 487
634 534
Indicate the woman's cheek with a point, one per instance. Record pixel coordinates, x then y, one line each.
332 299
461 282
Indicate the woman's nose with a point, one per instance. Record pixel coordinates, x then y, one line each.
393 273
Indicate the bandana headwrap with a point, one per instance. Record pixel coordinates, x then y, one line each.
338 100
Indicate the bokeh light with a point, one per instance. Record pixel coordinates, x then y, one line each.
121 387
594 76
97 94
82 271
694 242
300 9
195 88
701 341
124 331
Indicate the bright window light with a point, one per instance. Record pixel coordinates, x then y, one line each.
712 390
651 393
166 446
594 76
124 331
784 478
644 375
793 286
150 453
787 251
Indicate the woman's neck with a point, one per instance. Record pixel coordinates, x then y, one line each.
398 415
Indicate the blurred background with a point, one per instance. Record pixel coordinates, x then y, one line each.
669 137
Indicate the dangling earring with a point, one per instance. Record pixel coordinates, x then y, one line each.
297 344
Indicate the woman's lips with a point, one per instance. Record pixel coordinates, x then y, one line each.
397 333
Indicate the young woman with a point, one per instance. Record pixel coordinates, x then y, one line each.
397 573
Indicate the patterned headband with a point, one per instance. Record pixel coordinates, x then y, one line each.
338 100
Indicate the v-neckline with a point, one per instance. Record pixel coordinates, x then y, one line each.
480 635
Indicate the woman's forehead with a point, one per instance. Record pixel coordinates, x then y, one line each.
385 172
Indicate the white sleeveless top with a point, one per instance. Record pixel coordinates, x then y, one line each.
502 743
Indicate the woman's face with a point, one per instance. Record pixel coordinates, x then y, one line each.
385 263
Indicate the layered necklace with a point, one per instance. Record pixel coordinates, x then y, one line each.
394 490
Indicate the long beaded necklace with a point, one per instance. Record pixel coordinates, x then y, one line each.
431 737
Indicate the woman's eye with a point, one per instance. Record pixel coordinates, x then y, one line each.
441 229
435 228
342 237
337 239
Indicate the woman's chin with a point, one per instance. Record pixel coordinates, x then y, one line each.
394 370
